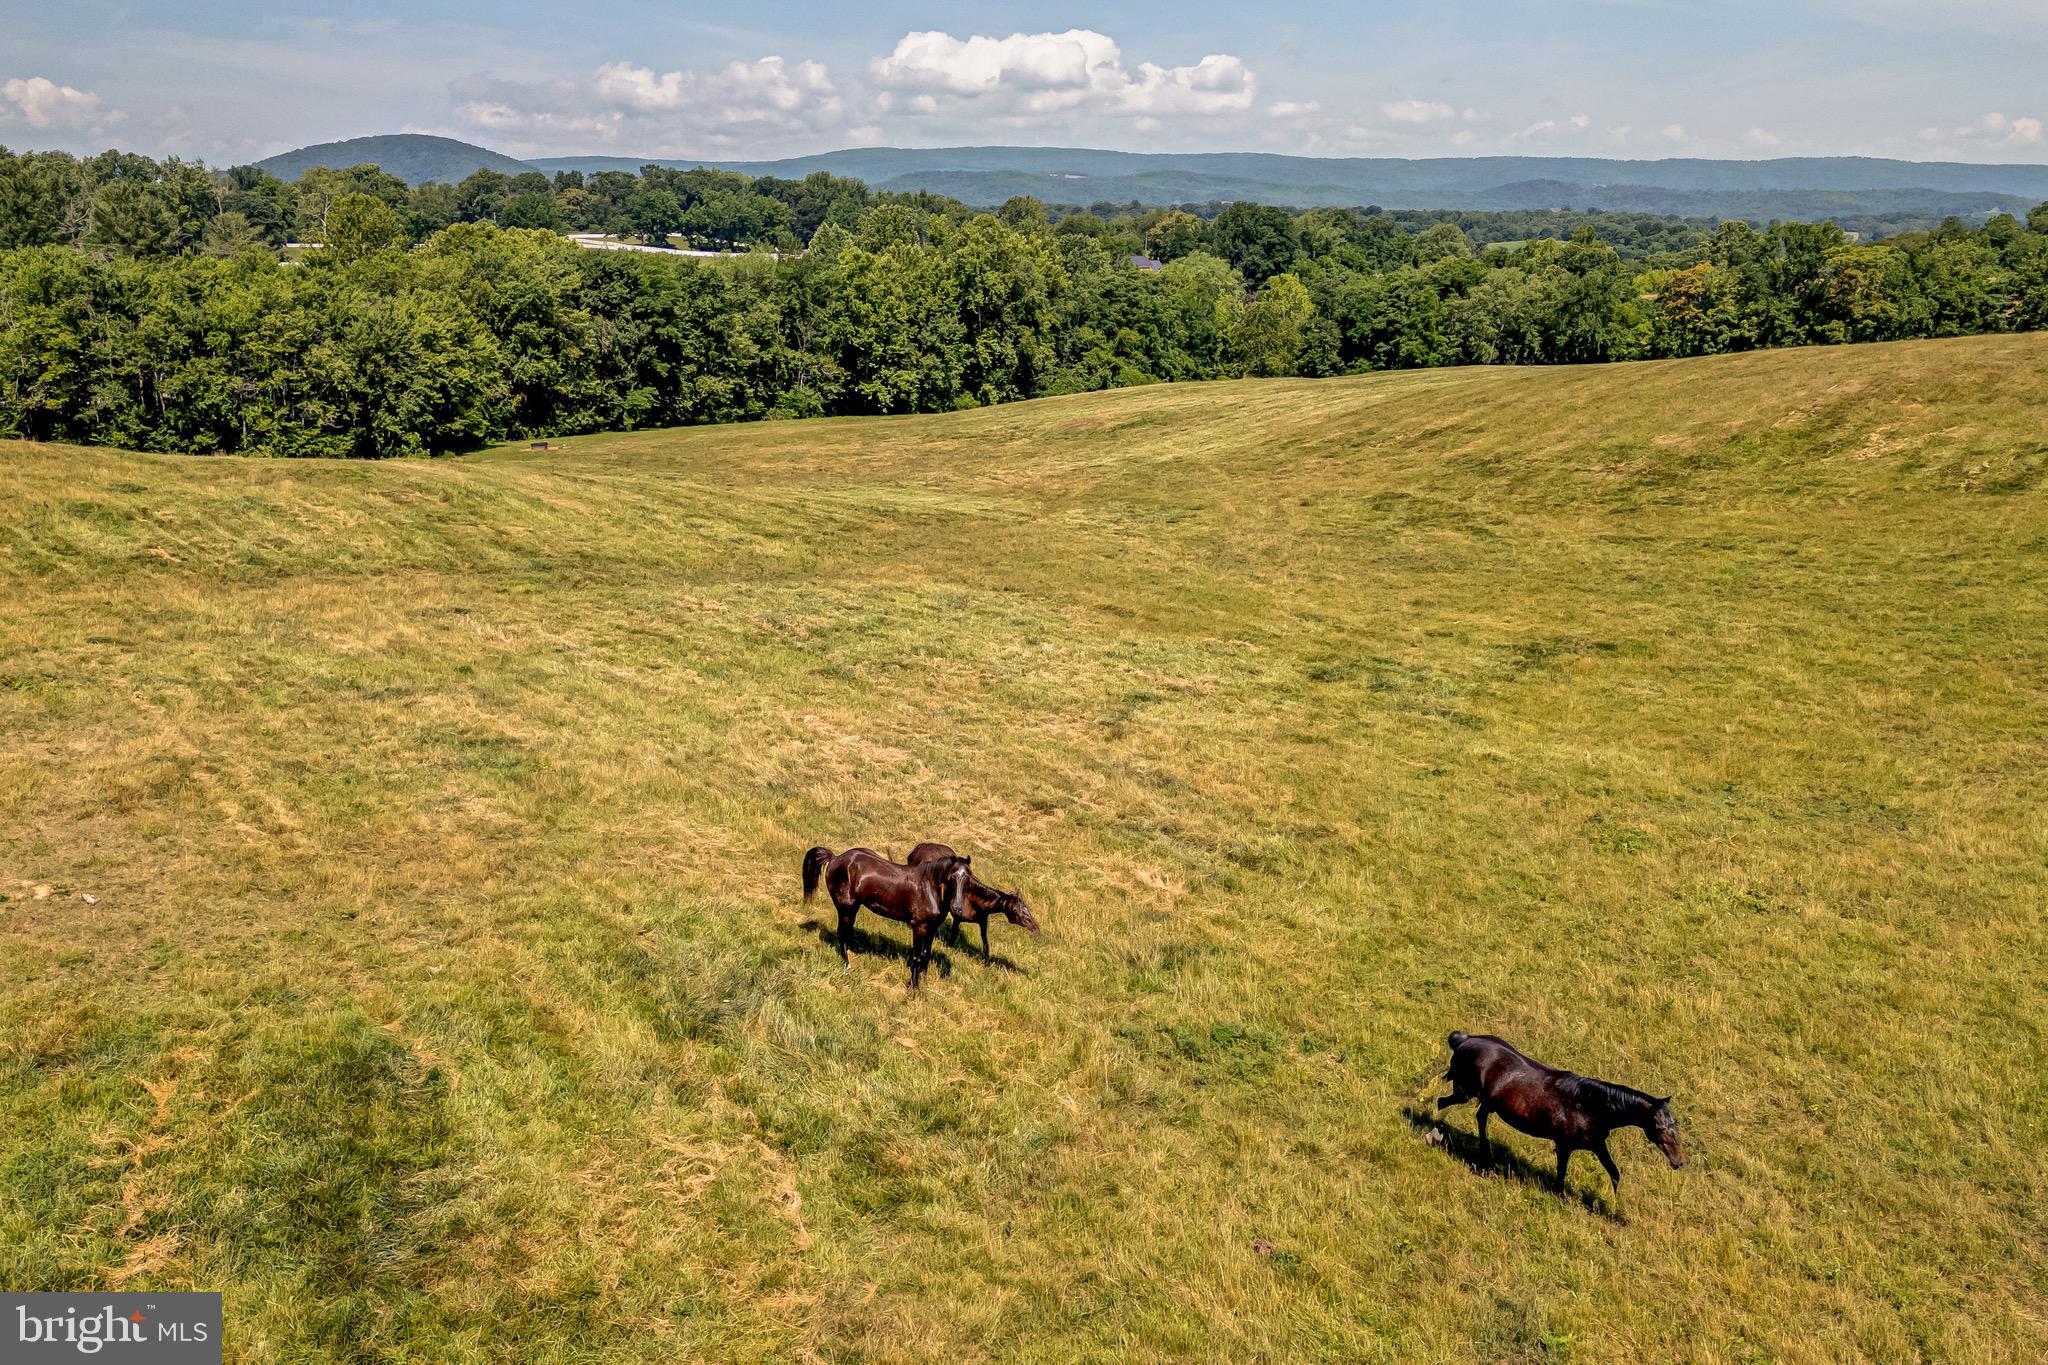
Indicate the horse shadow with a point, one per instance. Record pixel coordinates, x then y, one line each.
861 942
1492 1158
953 936
896 950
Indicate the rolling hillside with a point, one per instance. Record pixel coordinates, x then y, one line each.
401 927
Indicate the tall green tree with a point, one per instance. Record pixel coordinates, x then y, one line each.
231 234
532 209
652 215
429 207
31 202
131 218
321 186
1023 213
1174 235
359 226
1257 240
732 220
1265 335
1007 286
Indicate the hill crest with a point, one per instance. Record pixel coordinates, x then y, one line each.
415 158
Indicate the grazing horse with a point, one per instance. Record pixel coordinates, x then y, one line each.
921 896
1575 1112
983 900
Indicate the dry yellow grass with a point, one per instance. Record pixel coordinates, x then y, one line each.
444 992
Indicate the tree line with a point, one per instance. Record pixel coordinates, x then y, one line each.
129 205
132 314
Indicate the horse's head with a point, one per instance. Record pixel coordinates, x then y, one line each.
1662 1128
955 880
1011 907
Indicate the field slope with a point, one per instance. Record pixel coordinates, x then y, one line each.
401 927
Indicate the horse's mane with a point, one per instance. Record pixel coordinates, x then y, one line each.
1616 1101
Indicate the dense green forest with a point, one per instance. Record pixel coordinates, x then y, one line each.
150 304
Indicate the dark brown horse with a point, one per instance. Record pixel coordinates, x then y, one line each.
921 897
1575 1112
983 900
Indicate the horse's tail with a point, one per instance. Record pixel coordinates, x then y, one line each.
814 863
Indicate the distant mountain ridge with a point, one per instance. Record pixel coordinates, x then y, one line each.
1384 177
1845 188
414 158
1849 189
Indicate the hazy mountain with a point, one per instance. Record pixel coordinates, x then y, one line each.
1851 190
1382 179
1791 187
412 157
1850 208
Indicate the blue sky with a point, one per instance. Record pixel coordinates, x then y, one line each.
232 80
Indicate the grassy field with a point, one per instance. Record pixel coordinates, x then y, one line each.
402 928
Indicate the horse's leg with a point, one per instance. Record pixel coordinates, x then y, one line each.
1456 1097
1564 1160
984 942
920 952
1485 1148
846 916
1605 1160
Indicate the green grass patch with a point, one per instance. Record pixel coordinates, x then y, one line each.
444 991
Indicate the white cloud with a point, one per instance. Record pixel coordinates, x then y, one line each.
1550 129
742 105
1992 134
1080 87
744 91
43 103
1421 112
1997 127
775 106
515 115
1028 77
